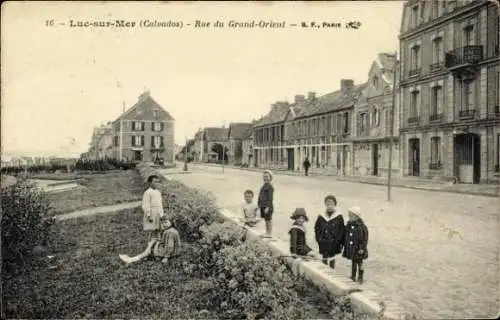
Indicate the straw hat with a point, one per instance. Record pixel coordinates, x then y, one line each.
355 210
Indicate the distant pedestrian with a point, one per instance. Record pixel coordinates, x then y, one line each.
356 242
298 239
329 231
306 166
265 202
250 210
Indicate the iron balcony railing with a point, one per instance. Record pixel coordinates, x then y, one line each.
466 114
415 72
435 165
414 120
437 117
463 56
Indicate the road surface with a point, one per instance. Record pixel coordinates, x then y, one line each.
436 254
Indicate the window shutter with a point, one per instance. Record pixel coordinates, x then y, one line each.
142 141
162 126
152 141
153 126
161 142
133 141
142 125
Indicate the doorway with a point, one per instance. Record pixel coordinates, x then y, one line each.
256 158
414 157
467 155
375 159
290 158
138 155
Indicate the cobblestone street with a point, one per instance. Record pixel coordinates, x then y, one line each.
415 258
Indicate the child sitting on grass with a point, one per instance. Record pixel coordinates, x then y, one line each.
249 210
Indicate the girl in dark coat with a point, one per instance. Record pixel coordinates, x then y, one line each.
329 231
356 241
298 242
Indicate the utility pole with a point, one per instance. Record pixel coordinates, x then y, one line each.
391 129
223 151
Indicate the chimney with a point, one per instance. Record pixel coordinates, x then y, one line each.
346 85
299 98
311 95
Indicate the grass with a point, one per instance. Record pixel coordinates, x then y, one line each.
100 190
90 281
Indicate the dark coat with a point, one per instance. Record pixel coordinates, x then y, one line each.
266 196
356 238
306 164
329 233
298 243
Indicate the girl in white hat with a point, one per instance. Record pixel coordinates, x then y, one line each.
355 243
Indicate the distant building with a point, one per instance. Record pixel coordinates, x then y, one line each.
215 144
450 89
101 144
145 132
238 131
247 148
197 151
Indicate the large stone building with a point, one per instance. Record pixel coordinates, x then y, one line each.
101 143
238 131
372 121
215 144
145 132
449 89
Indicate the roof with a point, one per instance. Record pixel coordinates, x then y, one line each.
198 135
216 134
277 114
386 61
145 101
332 101
238 130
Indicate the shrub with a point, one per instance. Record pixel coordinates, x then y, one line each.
26 222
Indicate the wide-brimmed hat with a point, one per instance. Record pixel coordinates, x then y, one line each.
299 212
355 210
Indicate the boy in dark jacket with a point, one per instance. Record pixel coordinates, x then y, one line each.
356 241
298 242
265 202
329 231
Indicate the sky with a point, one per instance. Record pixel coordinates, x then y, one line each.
59 82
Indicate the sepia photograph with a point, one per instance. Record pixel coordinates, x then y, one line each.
250 159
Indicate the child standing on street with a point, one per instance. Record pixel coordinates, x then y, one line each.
298 240
170 241
329 231
250 210
265 202
356 242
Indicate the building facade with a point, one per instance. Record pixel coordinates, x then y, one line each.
197 151
101 143
449 90
373 116
238 131
145 132
247 159
215 144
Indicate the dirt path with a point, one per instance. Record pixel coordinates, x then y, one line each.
97 210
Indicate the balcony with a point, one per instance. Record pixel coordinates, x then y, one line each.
435 165
415 72
437 117
437 66
466 114
463 57
413 120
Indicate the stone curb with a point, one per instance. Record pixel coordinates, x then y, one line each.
405 186
367 302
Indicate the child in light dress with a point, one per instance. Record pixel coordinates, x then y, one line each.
250 210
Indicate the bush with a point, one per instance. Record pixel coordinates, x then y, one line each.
26 222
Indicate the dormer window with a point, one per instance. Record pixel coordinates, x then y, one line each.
375 81
155 113
414 16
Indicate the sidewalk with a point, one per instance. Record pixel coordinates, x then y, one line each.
488 190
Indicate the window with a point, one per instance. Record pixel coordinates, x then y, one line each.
346 122
137 126
157 126
414 16
116 141
375 82
437 50
436 8
435 147
415 57
468 35
436 99
468 95
137 141
414 103
155 113
363 123
375 118
156 142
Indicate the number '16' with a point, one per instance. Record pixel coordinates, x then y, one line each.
49 23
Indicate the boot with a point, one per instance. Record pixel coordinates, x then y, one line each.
332 263
360 277
353 272
325 261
